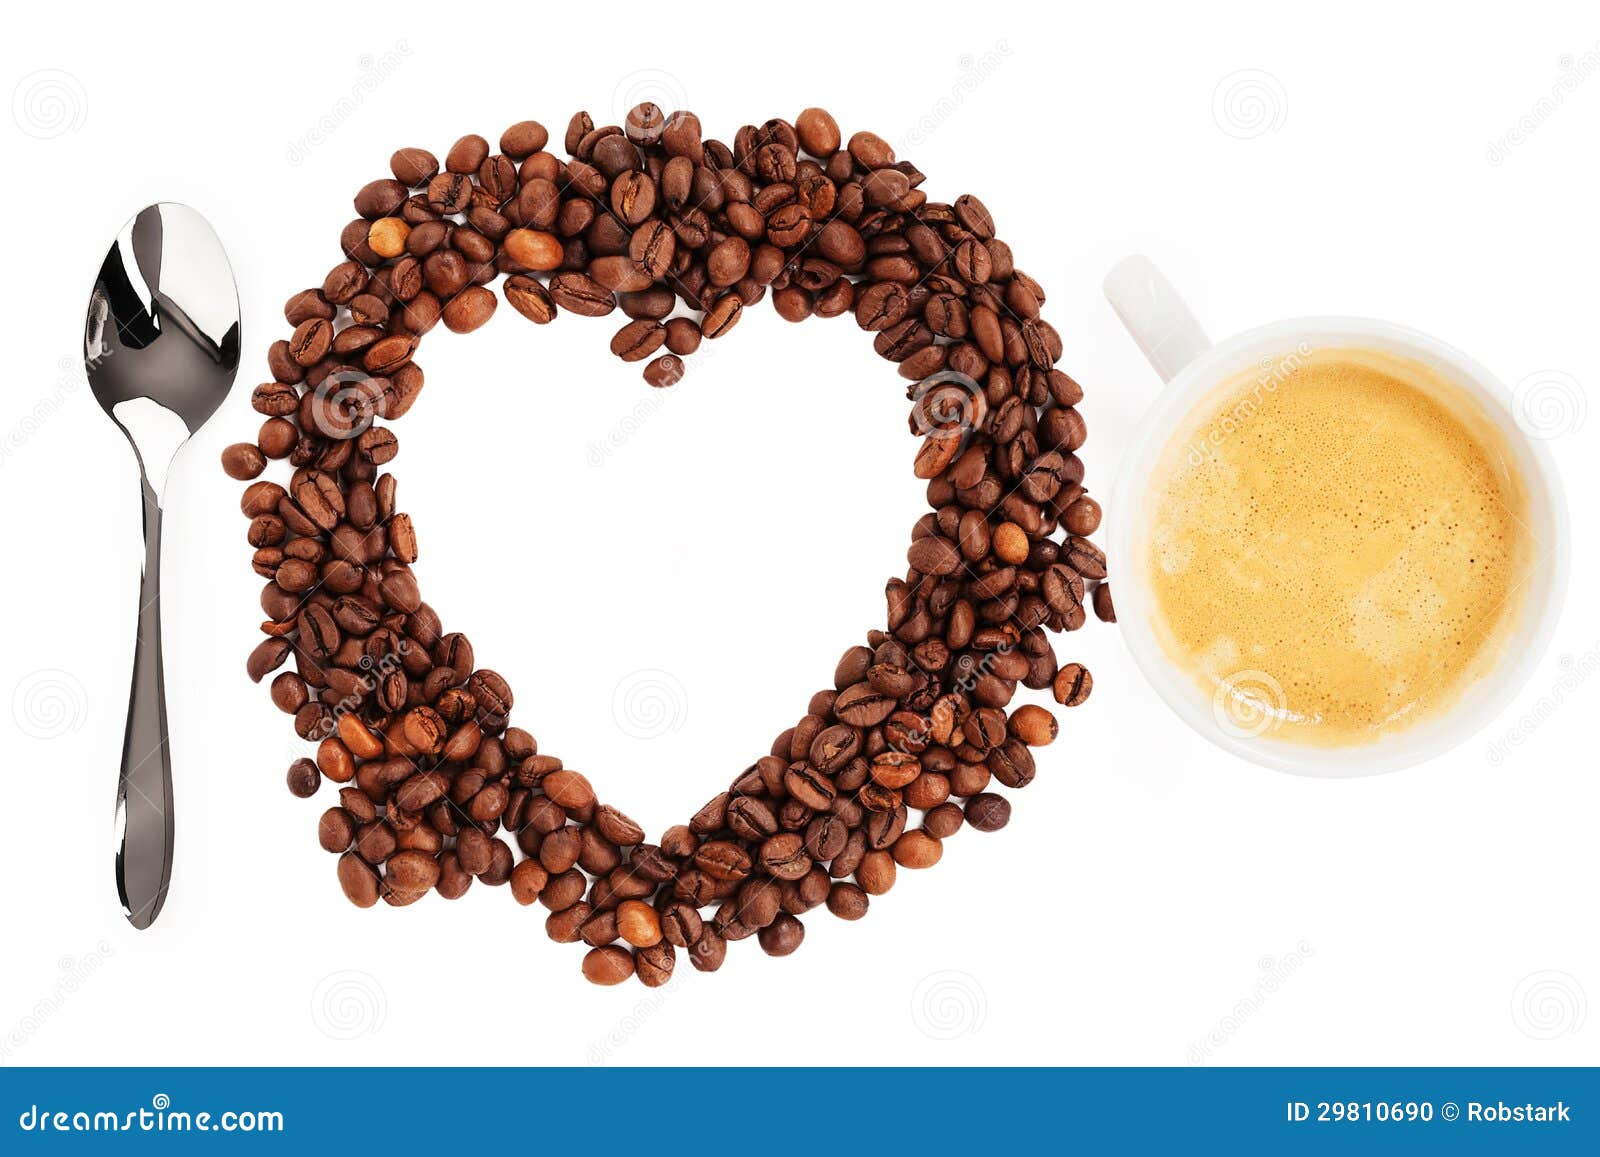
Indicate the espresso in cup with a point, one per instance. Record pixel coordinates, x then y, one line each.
1336 546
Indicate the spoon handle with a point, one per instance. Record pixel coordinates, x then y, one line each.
144 791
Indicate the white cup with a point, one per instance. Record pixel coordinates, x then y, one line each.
1192 367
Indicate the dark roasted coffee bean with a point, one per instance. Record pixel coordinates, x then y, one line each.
988 812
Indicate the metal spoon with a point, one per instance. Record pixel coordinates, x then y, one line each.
161 347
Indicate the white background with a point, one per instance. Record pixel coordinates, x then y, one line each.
1153 900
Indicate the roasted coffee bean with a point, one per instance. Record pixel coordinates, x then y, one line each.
1072 685
782 936
666 370
243 461
988 812
608 965
304 778
1034 725
723 860
722 316
638 340
847 901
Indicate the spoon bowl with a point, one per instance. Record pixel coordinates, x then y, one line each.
161 349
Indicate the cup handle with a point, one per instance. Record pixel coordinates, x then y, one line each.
1153 313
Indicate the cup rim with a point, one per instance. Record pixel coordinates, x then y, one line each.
1177 398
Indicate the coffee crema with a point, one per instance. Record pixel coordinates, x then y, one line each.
1335 546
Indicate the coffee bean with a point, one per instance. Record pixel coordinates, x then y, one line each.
654 964
608 965
722 316
847 901
530 298
664 371
1072 685
413 167
1034 725
358 882
1085 557
243 461
683 336
876 875
638 340
469 309
917 850
304 778
782 936
523 139
863 705
988 812
723 860
638 924
527 880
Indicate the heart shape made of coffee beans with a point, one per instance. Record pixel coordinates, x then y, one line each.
434 782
